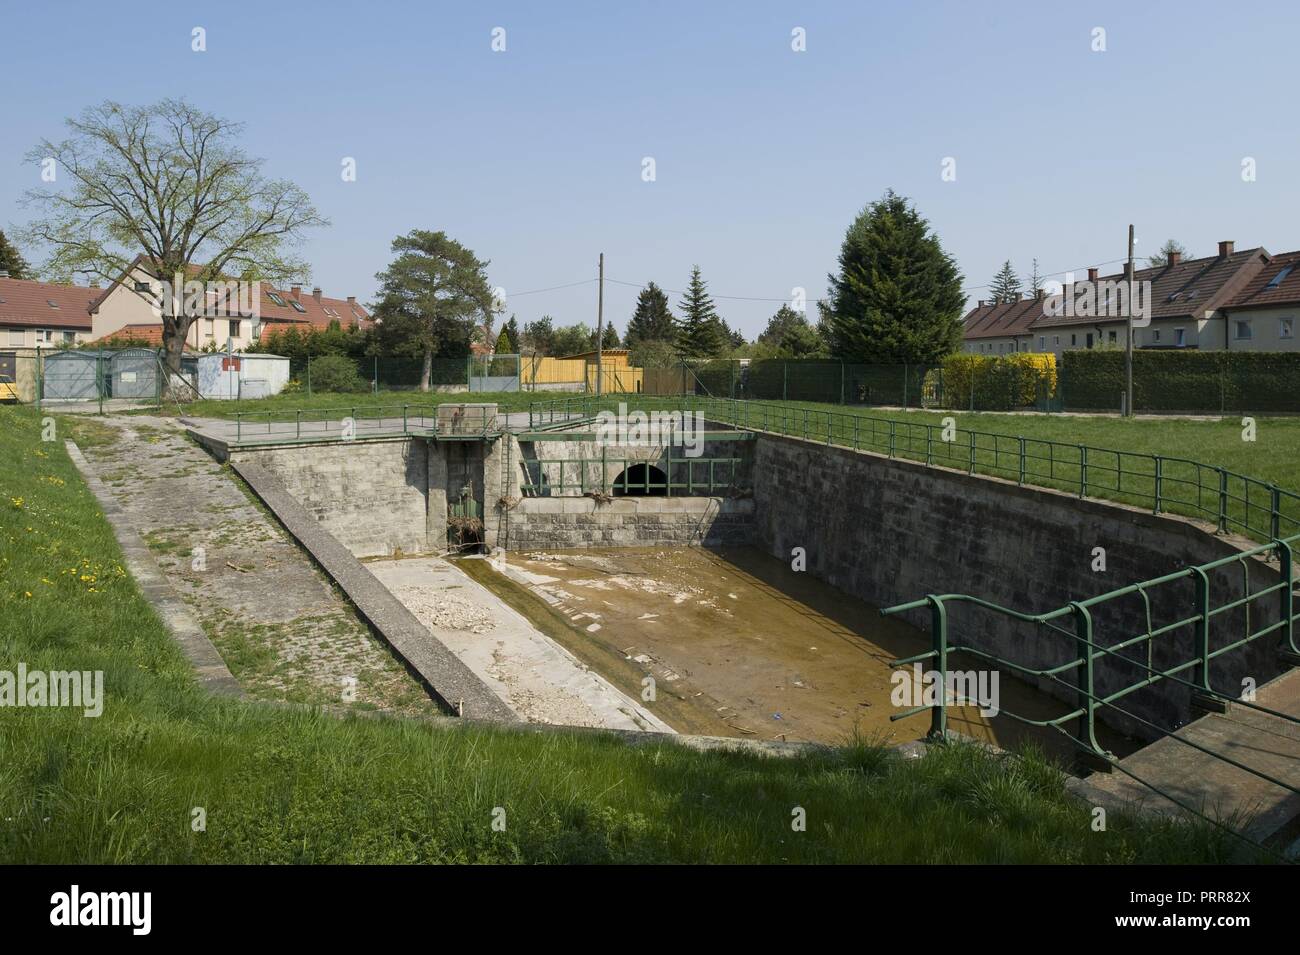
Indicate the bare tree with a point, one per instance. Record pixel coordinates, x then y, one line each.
167 185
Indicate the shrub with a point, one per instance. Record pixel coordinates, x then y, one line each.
338 374
993 382
1190 380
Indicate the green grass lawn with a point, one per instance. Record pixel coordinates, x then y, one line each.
283 785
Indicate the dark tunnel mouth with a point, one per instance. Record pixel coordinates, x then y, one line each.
632 482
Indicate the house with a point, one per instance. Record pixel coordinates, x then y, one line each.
1191 305
43 315
1262 315
997 328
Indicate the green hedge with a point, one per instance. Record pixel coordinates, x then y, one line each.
1193 381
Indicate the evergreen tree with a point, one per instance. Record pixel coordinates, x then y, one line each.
653 320
703 334
511 329
11 260
1035 280
503 344
1005 286
539 336
897 297
791 336
610 337
1162 254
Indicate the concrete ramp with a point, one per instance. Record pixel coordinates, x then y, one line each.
1265 743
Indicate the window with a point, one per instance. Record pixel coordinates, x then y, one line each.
1242 332
1042 342
1155 335
1180 337
234 327
1074 340
17 336
1285 327
1277 279
51 303
276 298
208 324
44 336
1111 336
1057 341
69 337
1090 339
298 306
143 287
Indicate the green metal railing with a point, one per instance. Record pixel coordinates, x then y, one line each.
704 476
1158 483
1073 628
317 424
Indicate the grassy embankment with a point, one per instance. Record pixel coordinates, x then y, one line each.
299 786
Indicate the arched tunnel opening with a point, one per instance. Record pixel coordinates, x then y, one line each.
641 480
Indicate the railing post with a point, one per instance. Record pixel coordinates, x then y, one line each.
856 423
893 427
1223 500
1083 470
1021 481
971 467
297 424
1085 681
1203 625
929 445
1275 512
939 644
1160 482
1287 609
239 426
404 419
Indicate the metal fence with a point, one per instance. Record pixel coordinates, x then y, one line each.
133 376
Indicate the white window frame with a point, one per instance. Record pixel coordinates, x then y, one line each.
1286 328
1180 337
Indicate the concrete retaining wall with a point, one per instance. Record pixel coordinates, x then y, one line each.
372 496
566 522
889 531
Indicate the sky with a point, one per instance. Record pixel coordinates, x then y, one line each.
533 156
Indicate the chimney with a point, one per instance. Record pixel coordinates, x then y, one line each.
1175 258
352 300
315 293
1038 295
296 291
1128 271
981 304
1225 248
1092 275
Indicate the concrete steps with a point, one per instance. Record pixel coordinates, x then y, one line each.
1257 808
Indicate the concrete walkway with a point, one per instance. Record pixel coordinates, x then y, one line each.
1264 743
536 677
277 621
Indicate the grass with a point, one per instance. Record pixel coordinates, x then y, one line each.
297 785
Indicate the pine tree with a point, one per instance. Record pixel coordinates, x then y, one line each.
652 321
1162 254
610 337
511 329
1035 280
898 296
503 344
1006 285
703 334
11 260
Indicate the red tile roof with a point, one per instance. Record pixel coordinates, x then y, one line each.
28 303
312 311
152 334
1276 284
1002 320
1186 290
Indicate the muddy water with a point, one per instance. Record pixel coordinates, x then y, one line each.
741 645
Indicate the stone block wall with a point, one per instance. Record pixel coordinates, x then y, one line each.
890 531
569 522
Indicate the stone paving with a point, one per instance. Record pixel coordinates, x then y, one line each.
280 625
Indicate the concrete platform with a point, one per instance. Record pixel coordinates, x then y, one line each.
1263 742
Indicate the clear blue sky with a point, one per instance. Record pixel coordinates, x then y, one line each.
532 157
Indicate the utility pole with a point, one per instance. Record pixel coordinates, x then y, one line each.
1128 340
600 325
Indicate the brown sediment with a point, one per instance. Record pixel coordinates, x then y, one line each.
739 644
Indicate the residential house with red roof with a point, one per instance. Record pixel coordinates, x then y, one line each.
1262 315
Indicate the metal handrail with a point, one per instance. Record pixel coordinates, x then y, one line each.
1160 483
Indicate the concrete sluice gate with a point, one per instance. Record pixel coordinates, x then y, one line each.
731 587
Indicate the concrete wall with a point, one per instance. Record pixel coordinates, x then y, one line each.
568 522
893 531
371 495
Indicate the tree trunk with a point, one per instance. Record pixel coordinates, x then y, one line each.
426 373
174 332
